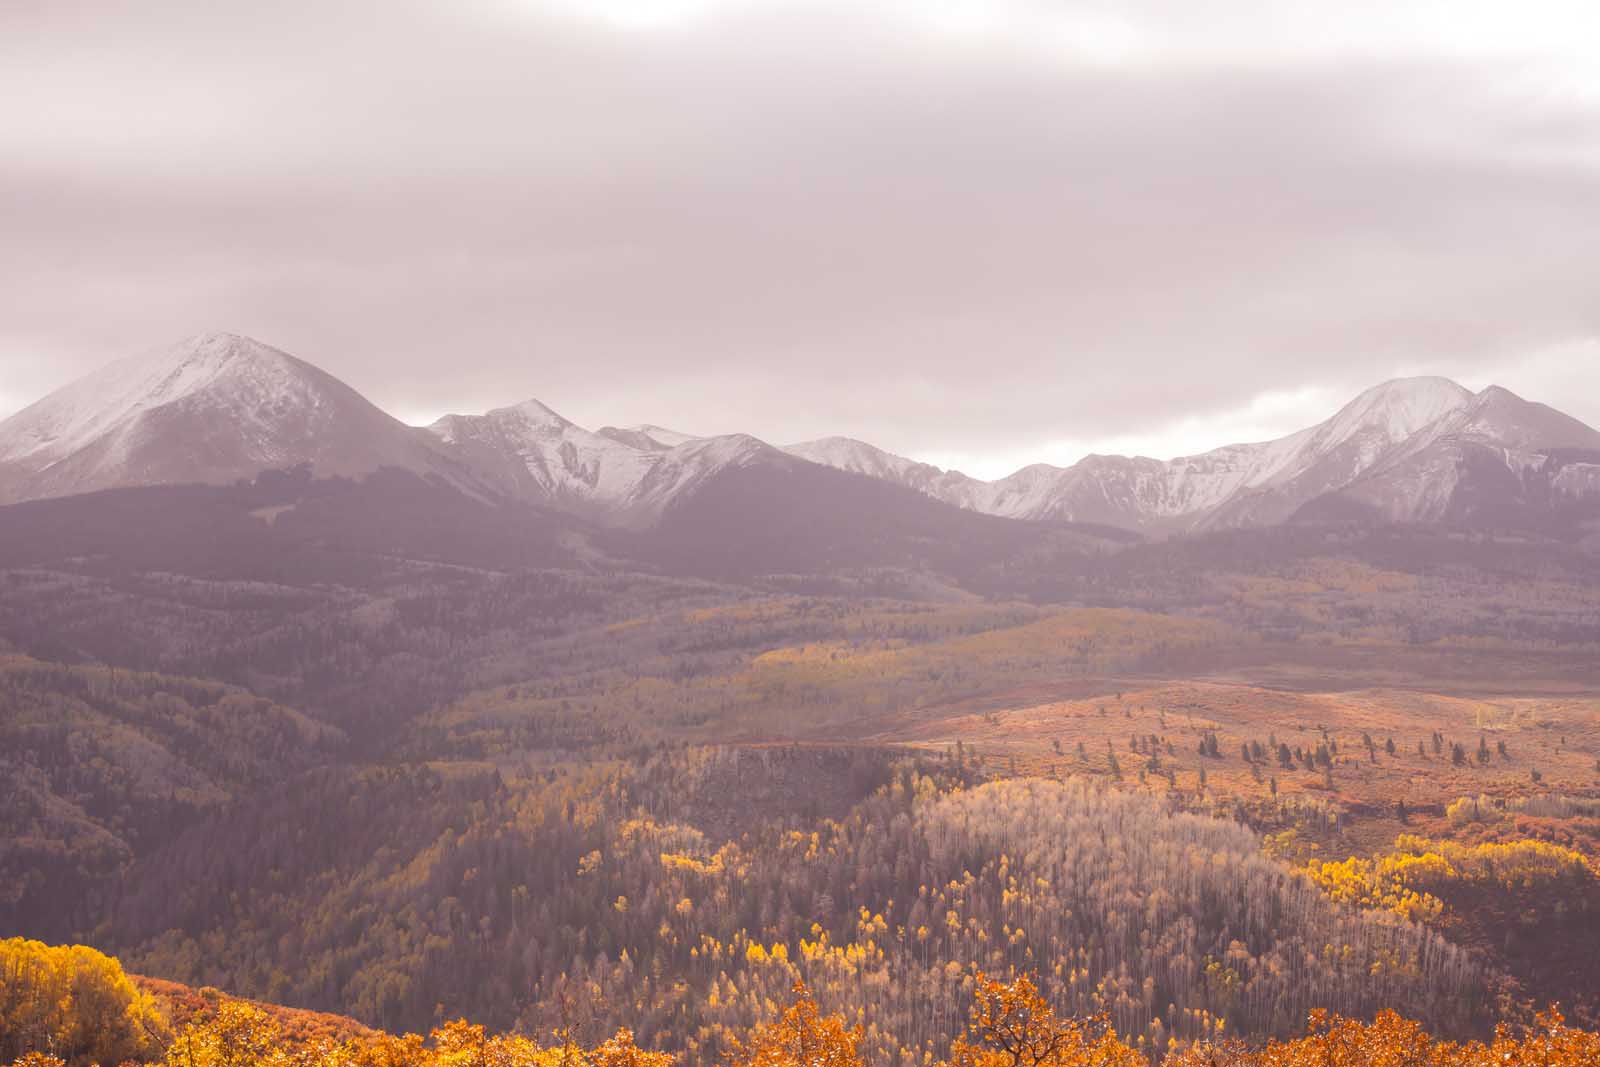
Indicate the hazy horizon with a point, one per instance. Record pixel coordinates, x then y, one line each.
1265 417
978 234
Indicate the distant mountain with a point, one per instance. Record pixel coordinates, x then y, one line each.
1234 485
858 457
212 409
625 478
230 458
1413 449
1498 459
220 408
730 504
783 515
532 453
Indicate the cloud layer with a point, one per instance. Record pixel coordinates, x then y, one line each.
987 233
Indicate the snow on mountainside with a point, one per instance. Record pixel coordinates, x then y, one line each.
663 436
538 455
681 470
858 457
848 454
1495 457
1500 418
619 477
212 409
648 437
218 408
1265 482
1360 437
1244 484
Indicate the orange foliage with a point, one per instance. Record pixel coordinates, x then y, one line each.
1393 1041
1013 1026
803 1037
1010 1025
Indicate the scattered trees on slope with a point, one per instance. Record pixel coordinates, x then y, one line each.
426 888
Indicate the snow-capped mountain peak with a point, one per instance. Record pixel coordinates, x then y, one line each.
1398 408
534 413
71 418
216 407
1497 457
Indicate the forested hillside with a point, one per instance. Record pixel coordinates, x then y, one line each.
99 765
609 797
421 888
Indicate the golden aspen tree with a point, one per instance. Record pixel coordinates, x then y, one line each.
1012 1025
802 1037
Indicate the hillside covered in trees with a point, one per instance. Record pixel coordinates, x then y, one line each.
509 897
1203 789
73 1007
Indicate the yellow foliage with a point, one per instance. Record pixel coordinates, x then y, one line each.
236 1035
1409 879
241 1035
74 1003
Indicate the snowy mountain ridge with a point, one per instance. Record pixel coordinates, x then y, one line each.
219 408
625 477
1244 484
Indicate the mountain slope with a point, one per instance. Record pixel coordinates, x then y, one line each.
1361 436
734 504
1401 449
1236 485
858 457
213 409
95 763
777 514
537 455
1499 459
624 478
647 436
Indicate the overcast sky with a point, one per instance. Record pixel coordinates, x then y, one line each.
982 233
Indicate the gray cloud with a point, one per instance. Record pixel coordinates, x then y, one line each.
978 238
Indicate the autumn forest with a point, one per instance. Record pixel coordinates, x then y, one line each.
1225 801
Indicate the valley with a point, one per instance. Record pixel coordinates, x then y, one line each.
568 731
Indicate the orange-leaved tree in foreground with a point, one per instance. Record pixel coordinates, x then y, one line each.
1393 1041
1012 1025
803 1037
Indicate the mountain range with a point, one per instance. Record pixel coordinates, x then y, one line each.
220 408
